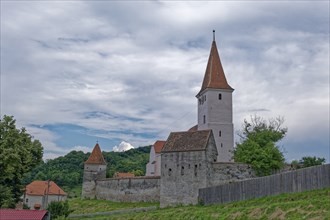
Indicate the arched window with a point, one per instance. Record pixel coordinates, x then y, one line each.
219 133
182 170
220 96
204 119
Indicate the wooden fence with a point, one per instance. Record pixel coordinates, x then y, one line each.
317 177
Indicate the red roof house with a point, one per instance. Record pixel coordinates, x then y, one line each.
39 194
123 175
12 214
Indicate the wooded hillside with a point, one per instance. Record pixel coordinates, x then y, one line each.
67 171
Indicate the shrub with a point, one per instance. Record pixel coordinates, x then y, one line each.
58 209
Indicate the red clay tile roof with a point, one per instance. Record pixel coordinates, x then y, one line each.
96 156
187 141
195 128
12 214
123 175
158 146
214 75
40 188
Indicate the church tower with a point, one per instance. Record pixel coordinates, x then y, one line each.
94 169
215 108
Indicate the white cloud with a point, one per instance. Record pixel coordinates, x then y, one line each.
123 146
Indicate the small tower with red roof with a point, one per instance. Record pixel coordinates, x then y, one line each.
215 106
94 169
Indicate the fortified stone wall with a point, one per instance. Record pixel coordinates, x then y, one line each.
223 173
134 189
183 173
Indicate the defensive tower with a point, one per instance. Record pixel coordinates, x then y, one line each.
94 169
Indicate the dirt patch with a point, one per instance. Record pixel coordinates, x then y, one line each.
255 213
215 215
235 215
278 214
316 218
310 206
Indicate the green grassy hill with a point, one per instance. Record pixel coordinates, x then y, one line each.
307 205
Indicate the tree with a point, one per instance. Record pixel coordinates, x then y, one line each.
19 154
308 162
58 209
138 172
258 144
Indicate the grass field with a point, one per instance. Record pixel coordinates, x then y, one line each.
307 205
85 206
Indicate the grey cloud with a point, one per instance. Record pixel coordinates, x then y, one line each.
258 110
146 60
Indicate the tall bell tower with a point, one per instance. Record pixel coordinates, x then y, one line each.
215 106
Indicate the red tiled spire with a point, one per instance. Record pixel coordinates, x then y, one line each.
96 156
214 75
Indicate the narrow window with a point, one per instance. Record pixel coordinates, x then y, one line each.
204 119
220 96
219 133
27 200
221 145
195 170
169 172
182 170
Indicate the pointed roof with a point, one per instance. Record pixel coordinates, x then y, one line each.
40 188
214 75
96 156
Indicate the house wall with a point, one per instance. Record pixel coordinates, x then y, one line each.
158 164
135 189
151 168
154 164
31 200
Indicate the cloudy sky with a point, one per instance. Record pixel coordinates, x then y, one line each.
126 73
